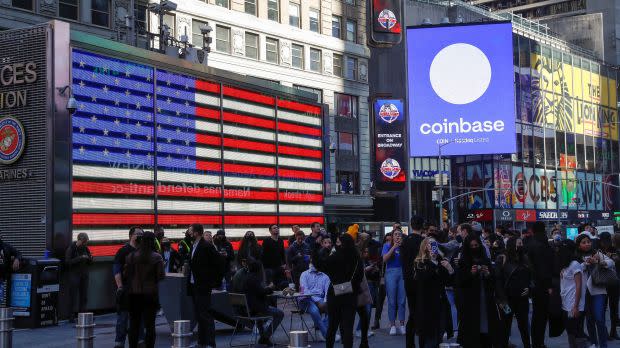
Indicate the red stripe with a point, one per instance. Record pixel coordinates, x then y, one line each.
247 95
300 174
246 169
211 166
291 105
300 197
207 113
207 86
301 220
290 150
104 250
249 145
250 220
112 188
248 120
208 139
293 128
113 219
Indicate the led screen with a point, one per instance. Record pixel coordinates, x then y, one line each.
461 89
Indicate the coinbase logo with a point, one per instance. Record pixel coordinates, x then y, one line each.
460 73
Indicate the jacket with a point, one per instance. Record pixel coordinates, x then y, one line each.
431 303
587 271
226 247
77 259
143 278
204 271
172 261
511 280
7 254
341 267
408 252
540 254
256 294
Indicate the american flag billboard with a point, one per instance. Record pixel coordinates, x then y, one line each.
155 147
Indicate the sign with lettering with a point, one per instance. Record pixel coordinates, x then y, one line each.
390 159
21 285
551 215
525 215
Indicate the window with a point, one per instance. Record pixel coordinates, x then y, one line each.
251 45
337 63
272 49
351 30
348 182
349 2
293 14
347 144
273 10
315 60
346 105
297 56
68 9
140 22
170 21
351 69
315 19
196 34
23 4
250 7
100 12
316 91
222 3
337 27
222 39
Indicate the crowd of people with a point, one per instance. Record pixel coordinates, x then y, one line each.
467 282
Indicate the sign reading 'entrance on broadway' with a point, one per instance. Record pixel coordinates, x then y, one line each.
390 156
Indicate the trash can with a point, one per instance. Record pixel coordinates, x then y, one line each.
34 292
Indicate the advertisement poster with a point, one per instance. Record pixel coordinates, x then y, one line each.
581 190
461 89
21 285
386 16
518 187
390 157
488 185
474 181
503 192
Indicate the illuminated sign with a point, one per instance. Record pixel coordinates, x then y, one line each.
386 21
389 144
461 89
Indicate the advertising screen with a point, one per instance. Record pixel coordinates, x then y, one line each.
461 89
390 158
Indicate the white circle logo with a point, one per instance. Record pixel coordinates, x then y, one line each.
460 73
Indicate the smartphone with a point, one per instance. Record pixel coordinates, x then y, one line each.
435 248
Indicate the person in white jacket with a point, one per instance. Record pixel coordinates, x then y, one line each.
596 296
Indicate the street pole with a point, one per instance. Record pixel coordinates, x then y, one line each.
440 163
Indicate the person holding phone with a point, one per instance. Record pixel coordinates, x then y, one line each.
432 273
513 289
395 284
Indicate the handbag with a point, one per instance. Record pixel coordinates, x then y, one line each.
604 277
346 287
364 298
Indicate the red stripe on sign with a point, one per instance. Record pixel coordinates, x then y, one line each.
207 86
300 220
80 219
250 220
248 120
207 113
249 145
293 128
247 95
300 174
249 194
112 188
291 105
208 139
290 150
245 169
300 197
104 250
187 191
169 219
210 166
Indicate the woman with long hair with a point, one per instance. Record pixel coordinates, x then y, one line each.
596 296
513 278
432 274
611 248
342 267
479 323
395 283
249 249
572 292
144 269
387 239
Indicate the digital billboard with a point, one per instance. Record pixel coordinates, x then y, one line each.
386 21
390 158
461 89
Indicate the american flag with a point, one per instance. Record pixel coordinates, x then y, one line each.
152 146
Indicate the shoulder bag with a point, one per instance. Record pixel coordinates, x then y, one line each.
364 298
346 287
603 276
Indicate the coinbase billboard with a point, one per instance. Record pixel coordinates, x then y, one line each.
461 89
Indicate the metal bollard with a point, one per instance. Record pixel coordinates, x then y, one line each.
182 335
299 339
85 330
6 327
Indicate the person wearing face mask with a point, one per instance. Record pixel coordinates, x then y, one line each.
172 259
513 289
479 323
540 255
249 249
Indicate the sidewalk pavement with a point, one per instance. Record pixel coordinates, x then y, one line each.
63 335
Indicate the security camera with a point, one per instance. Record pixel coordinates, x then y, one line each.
205 29
332 147
71 105
168 5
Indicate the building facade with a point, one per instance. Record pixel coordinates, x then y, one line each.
317 46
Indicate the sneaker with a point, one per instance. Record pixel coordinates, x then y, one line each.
358 333
402 331
338 338
370 333
393 331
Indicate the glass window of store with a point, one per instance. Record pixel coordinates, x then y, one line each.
347 182
528 144
560 148
550 151
589 147
347 144
539 146
580 152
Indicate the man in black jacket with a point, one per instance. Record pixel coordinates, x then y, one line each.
274 259
202 279
225 249
77 259
540 256
408 252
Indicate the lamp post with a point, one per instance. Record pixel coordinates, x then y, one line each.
440 198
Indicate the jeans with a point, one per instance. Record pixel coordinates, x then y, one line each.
142 313
595 319
206 324
277 315
395 286
450 297
308 306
